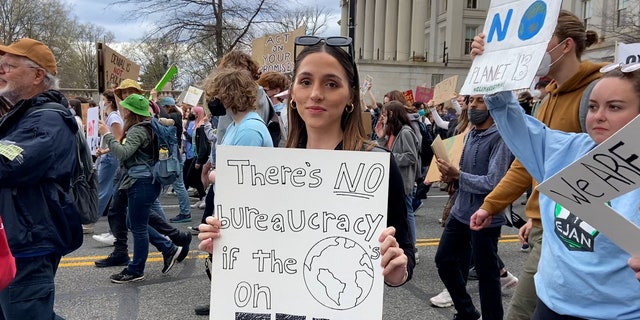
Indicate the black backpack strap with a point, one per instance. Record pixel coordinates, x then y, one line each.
152 148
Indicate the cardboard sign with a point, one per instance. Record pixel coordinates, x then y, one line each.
274 52
367 122
453 146
517 33
193 95
628 53
114 67
608 171
439 150
300 234
424 94
93 139
445 90
83 108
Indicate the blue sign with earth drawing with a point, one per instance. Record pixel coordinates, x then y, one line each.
299 236
517 34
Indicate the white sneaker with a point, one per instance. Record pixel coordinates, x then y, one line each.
508 283
202 204
105 238
197 204
442 300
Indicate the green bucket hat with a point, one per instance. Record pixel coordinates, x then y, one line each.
136 104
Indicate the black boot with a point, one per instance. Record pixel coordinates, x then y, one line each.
113 260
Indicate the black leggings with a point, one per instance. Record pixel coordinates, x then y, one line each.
208 209
191 177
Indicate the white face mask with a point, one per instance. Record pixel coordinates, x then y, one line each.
546 63
535 93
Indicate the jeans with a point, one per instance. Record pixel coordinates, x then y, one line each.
141 197
452 260
181 191
157 208
108 166
157 225
411 217
32 292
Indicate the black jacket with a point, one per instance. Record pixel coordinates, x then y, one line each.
38 217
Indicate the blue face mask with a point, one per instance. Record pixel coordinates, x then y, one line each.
279 107
421 112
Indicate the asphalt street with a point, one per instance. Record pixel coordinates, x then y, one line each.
85 292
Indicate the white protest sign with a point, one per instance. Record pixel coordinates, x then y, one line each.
517 33
93 139
608 171
299 237
192 97
628 53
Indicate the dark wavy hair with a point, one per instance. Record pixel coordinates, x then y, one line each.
396 117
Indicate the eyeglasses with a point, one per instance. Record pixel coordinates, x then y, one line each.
626 68
334 41
8 68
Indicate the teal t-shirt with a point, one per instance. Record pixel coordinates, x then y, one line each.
251 132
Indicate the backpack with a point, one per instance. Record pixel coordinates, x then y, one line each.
166 168
425 152
84 180
276 127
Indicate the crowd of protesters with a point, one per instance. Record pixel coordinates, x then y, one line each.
320 106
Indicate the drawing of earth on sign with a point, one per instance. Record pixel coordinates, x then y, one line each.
338 273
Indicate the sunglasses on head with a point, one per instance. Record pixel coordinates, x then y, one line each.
334 41
626 68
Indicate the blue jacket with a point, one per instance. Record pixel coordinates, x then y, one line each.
588 277
38 215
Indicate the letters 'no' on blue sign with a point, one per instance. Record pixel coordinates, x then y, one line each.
531 22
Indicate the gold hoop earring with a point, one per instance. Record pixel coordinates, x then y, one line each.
293 104
349 110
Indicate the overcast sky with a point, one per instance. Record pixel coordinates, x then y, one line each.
102 13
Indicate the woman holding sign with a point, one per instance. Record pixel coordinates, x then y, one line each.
582 273
560 109
324 113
